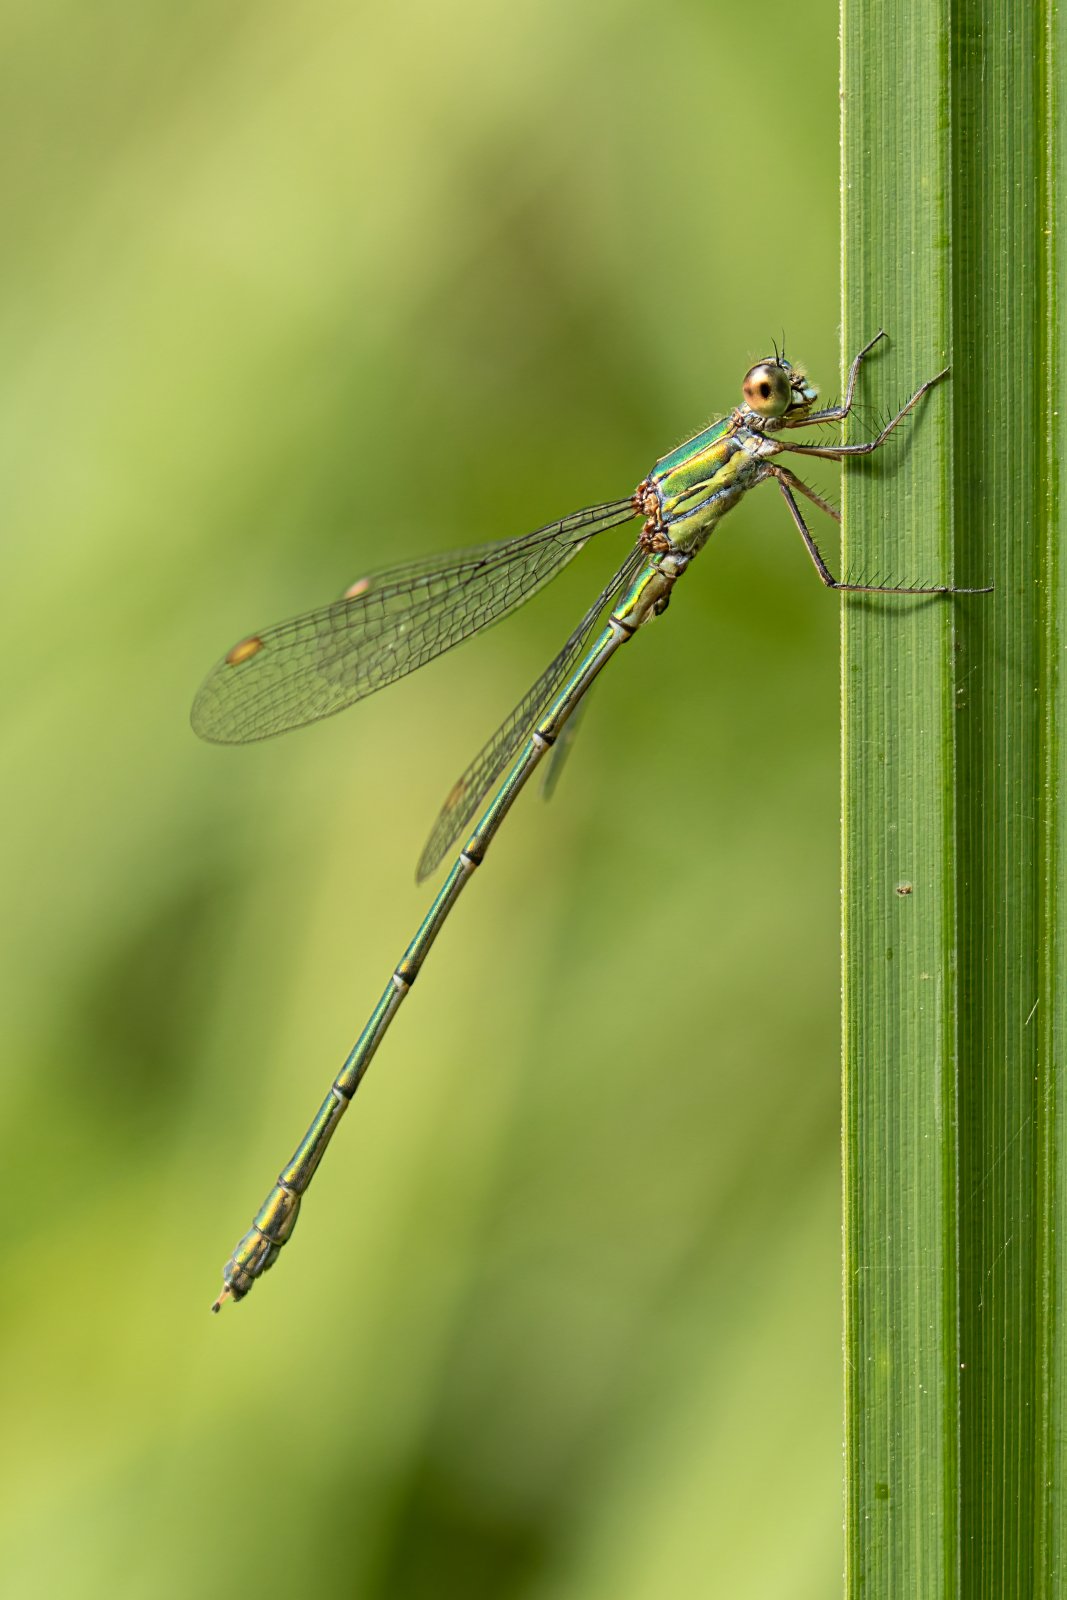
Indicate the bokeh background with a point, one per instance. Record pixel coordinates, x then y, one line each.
289 292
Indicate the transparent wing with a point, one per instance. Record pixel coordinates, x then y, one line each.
557 756
386 625
470 790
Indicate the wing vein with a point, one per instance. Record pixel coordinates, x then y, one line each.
501 749
315 664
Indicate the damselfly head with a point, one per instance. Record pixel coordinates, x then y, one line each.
774 386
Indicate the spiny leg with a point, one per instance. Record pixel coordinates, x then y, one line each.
840 412
841 452
802 488
787 482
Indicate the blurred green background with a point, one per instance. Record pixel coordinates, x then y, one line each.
289 293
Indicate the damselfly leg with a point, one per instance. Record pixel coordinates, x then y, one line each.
788 482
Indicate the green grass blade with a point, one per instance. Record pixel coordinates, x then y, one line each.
953 820
899 906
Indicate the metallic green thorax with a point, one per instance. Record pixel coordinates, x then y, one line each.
703 479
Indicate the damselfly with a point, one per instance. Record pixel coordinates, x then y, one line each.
395 620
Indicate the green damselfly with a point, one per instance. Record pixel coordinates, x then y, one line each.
395 620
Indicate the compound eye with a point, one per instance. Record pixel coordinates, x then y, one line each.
767 389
